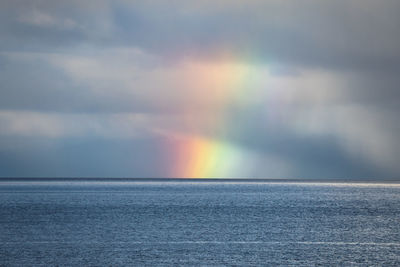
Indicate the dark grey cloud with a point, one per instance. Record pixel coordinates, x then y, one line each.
342 34
30 82
352 34
149 157
77 157
49 26
312 156
57 58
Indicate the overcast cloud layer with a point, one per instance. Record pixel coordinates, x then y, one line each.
98 88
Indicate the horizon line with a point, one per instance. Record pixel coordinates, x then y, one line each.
225 179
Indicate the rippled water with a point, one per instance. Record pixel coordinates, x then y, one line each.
198 223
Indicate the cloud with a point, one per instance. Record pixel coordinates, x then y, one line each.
342 34
81 157
56 125
309 86
68 82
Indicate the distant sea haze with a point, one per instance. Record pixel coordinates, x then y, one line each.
160 222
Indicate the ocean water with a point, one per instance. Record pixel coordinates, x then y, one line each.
159 223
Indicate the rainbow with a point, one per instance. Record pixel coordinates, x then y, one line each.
199 157
217 87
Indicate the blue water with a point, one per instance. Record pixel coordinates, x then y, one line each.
198 223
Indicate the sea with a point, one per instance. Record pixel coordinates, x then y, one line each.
155 222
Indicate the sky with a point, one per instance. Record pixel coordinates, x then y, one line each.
200 89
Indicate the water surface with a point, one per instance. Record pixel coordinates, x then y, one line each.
198 223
